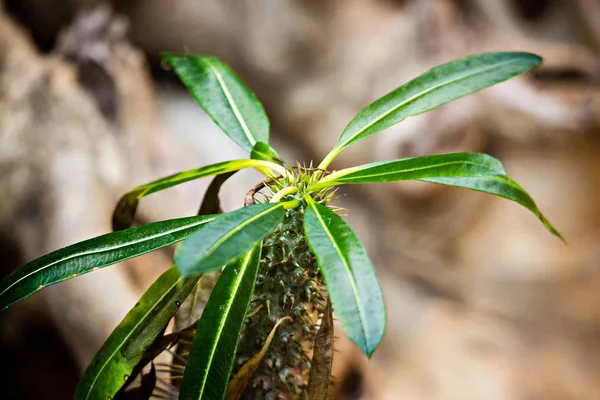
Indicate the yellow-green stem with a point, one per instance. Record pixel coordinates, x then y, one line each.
283 192
329 158
291 204
263 165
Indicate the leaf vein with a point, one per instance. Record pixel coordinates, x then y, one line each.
106 249
348 268
419 95
234 107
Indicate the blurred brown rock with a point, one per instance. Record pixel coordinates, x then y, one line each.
76 130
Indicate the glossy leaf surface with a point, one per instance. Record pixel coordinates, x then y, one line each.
99 252
227 237
125 347
213 350
262 151
434 88
224 97
127 205
349 274
474 171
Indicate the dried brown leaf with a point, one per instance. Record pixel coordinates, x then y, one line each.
322 360
240 380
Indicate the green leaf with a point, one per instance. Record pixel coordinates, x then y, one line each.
434 88
349 274
127 205
474 171
125 347
142 392
262 151
213 350
227 237
211 203
223 96
99 252
160 344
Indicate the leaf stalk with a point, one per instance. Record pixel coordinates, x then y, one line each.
284 192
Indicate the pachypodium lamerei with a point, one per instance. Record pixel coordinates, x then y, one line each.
284 261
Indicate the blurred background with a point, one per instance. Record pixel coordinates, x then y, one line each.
482 302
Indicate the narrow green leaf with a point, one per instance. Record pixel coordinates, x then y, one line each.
434 88
349 274
125 347
211 203
142 392
262 151
213 350
99 252
127 205
223 96
474 171
227 237
160 344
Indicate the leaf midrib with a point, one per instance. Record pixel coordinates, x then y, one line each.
106 249
374 175
196 173
223 320
231 102
348 268
215 246
131 333
416 97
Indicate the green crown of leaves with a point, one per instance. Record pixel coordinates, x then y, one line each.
234 239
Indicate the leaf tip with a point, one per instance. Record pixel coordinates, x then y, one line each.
370 348
369 344
548 225
534 58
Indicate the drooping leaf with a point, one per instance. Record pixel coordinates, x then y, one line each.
474 171
211 203
242 377
223 96
99 252
349 275
213 349
160 344
190 311
125 347
148 383
434 88
322 359
142 392
127 205
262 151
227 237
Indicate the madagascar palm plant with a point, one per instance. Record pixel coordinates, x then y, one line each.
283 263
